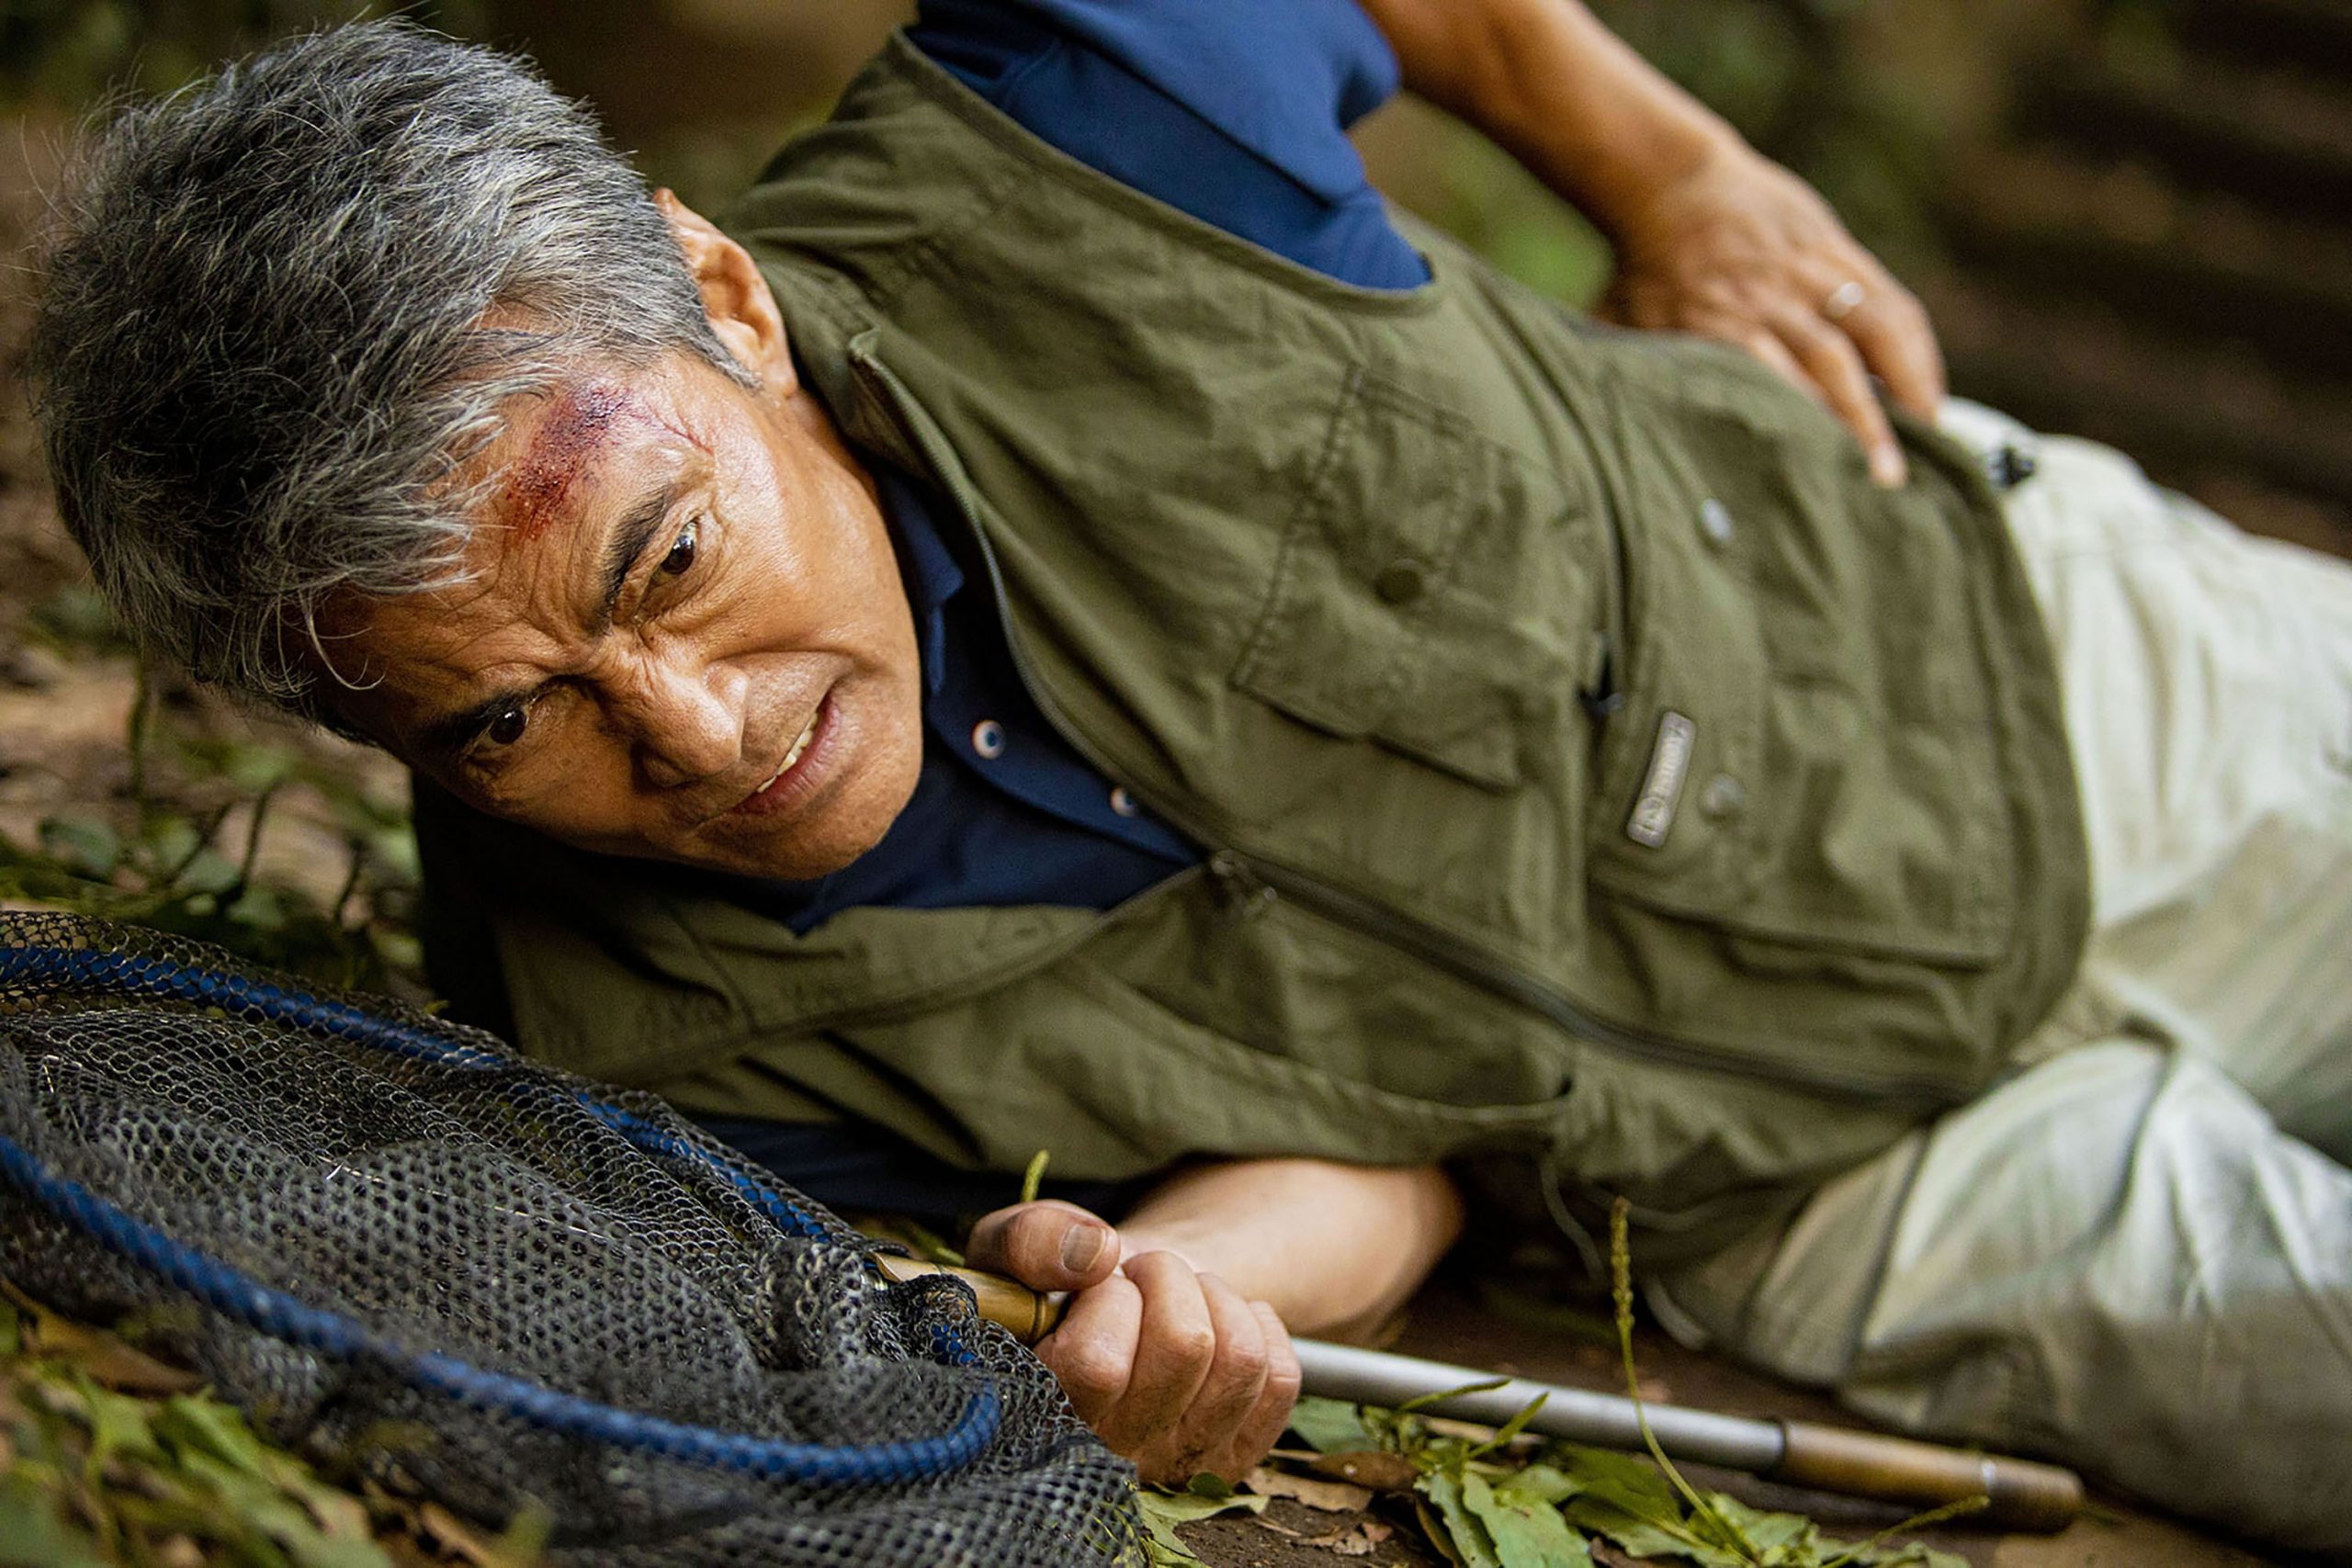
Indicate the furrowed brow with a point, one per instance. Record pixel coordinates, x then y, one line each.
633 532
631 536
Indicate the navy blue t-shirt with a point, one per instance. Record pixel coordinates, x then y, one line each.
1232 111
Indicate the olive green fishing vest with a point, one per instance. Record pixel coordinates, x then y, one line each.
1591 761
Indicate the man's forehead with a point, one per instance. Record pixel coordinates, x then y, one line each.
542 479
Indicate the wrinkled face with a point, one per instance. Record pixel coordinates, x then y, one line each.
685 637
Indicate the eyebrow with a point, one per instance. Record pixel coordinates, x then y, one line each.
624 548
627 543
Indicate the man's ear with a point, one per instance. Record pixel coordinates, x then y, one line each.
738 300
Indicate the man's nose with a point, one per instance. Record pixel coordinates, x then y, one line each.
686 721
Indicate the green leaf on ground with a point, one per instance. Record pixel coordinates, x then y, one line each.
198 1426
1330 1425
1778 1538
1538 1483
1647 1535
1163 1511
258 908
1446 1489
32 1531
83 845
169 839
255 765
1629 1480
118 1423
206 871
1527 1531
1623 1498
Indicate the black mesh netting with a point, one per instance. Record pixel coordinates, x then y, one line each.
407 1252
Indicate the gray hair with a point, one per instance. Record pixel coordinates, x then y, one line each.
262 351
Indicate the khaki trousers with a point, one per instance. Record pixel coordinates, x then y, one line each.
2136 1253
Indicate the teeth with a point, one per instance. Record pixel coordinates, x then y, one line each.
798 746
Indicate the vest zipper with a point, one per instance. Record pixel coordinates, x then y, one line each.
1256 879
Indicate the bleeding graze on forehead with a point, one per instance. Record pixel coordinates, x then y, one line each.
538 483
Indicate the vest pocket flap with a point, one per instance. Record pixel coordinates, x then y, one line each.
1806 752
1431 592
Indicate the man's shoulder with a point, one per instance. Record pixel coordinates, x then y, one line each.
905 143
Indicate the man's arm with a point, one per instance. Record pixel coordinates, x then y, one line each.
1711 237
1176 1346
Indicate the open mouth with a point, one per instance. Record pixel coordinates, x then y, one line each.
777 792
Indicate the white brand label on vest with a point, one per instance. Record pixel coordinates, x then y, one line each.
1669 765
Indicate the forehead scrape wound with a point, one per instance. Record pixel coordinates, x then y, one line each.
541 481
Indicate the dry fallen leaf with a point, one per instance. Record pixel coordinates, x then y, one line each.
1382 1472
111 1362
460 1540
1362 1539
1331 1496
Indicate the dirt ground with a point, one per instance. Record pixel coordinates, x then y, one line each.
66 693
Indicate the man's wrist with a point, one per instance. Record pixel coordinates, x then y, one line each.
1571 101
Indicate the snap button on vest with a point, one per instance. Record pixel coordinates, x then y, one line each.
1401 584
1714 521
988 738
1723 796
1121 802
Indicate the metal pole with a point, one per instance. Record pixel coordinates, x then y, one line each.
1376 1377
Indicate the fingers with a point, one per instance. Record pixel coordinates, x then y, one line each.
1174 1350
1768 347
1741 250
1048 1246
1834 372
1263 1427
1225 1410
1899 345
1093 1352
1175 1370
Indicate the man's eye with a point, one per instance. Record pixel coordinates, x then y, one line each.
507 728
682 553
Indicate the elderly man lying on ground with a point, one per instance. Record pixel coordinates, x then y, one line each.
1064 625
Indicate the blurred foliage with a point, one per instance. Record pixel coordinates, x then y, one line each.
1809 82
180 848
709 165
1481 196
1812 82
71 52
2141 38
1866 100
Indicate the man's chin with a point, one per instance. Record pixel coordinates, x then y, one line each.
799 850
796 863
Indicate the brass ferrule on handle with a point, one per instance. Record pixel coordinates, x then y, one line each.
2021 1494
1008 1303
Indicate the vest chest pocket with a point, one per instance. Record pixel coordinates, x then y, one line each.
1838 786
1434 593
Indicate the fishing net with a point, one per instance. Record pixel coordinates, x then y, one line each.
410 1254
